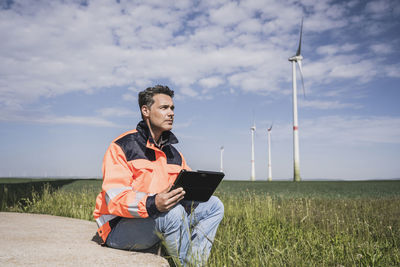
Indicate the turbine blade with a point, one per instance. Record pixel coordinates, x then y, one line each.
301 33
254 120
301 74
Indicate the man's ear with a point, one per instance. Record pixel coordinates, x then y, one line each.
145 111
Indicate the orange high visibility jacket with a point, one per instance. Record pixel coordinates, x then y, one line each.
134 170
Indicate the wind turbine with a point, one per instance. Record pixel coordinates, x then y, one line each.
269 155
296 59
253 168
222 158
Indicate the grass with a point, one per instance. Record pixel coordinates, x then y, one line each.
267 231
273 224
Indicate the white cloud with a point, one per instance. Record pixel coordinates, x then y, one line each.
187 91
393 71
352 130
357 131
117 112
250 26
211 82
363 69
209 36
80 120
349 47
332 68
228 14
335 49
382 49
327 105
51 119
59 47
129 97
378 8
253 81
327 50
352 3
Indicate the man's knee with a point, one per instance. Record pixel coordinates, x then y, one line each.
173 219
217 206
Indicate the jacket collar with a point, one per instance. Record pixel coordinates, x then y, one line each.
167 137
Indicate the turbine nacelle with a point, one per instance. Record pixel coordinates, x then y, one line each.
296 58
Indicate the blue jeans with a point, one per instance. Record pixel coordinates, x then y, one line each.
188 231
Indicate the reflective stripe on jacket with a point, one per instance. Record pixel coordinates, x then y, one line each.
133 169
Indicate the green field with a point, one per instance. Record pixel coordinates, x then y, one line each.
265 224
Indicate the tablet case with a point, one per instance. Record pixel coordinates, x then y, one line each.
198 185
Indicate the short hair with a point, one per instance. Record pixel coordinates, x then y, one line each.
146 96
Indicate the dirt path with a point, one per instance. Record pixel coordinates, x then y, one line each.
44 240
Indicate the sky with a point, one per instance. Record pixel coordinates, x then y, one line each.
70 72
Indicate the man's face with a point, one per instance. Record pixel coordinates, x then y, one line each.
161 113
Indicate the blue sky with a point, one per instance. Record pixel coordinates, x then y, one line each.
70 72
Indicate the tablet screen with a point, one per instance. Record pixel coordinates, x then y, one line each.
198 185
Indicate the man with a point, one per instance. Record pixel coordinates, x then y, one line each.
136 206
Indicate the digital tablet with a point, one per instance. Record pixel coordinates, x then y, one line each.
198 185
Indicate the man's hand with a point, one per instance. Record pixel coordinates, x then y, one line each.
167 200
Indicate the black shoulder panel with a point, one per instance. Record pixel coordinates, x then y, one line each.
173 156
134 147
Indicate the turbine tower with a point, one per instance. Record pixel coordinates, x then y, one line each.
296 59
222 159
253 168
269 155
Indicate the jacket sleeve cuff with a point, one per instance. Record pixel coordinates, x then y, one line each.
151 207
